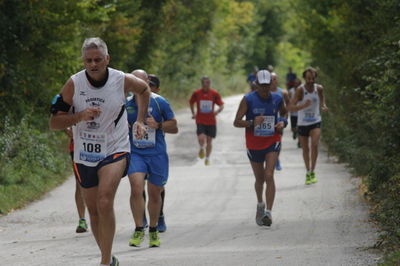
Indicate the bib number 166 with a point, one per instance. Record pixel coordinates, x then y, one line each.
90 147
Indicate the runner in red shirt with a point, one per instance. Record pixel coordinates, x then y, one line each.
205 99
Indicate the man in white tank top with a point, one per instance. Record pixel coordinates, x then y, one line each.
309 101
93 102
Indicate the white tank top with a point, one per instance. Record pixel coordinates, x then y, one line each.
108 133
310 115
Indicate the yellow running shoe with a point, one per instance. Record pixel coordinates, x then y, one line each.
313 178
154 240
207 161
137 239
202 154
308 179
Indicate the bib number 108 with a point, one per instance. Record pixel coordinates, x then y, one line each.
90 147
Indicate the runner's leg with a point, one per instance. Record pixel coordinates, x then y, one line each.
90 198
306 151
162 202
137 197
258 170
80 203
202 140
270 159
154 204
109 178
209 146
315 135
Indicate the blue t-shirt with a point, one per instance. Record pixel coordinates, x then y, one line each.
154 141
269 107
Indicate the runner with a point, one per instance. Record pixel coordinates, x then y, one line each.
149 157
154 83
101 150
205 99
290 78
79 202
308 101
263 139
284 94
293 115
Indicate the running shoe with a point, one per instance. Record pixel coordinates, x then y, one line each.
154 240
207 161
313 178
260 213
82 226
308 178
298 144
114 261
267 219
145 224
137 239
294 135
278 166
161 226
202 154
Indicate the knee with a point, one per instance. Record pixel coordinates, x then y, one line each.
155 194
269 178
104 205
137 192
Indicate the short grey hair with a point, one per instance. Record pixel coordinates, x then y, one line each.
96 43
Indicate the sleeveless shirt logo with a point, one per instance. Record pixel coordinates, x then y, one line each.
92 125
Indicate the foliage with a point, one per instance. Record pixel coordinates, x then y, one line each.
355 44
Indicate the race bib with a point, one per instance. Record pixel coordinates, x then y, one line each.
309 116
266 128
206 106
148 140
92 147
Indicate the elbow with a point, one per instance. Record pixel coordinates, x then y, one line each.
235 123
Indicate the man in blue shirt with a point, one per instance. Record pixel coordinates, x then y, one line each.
149 158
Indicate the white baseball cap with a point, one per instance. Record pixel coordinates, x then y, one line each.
263 77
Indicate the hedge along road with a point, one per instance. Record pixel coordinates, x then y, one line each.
210 213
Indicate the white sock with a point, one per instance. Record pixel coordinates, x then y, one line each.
269 211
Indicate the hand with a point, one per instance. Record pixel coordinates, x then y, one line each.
279 127
258 120
89 113
151 122
307 103
140 129
324 108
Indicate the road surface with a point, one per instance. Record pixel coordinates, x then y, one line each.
210 213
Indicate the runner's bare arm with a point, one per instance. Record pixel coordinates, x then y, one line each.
192 110
286 101
168 126
298 96
142 94
322 103
241 112
61 120
220 108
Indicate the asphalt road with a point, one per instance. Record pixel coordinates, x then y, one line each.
210 213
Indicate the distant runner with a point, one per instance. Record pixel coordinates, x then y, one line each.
308 101
205 99
93 100
284 94
263 139
149 158
80 203
293 115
